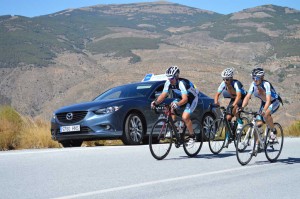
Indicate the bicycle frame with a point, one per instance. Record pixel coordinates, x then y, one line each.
256 131
178 136
227 123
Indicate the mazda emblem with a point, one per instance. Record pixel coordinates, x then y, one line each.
69 116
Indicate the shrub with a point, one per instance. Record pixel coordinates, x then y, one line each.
19 132
293 130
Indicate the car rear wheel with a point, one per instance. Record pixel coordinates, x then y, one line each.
134 129
71 143
207 121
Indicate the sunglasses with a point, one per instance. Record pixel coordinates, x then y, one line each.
226 79
172 78
256 78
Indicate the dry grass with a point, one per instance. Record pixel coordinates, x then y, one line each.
19 132
293 130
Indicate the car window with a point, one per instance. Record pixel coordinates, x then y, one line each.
126 91
159 90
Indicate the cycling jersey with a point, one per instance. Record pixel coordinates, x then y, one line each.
184 86
237 85
265 88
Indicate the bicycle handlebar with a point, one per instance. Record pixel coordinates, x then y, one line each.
167 106
215 106
249 113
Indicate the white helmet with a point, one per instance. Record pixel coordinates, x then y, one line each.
172 72
258 71
227 73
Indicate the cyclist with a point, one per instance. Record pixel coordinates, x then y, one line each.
270 100
233 89
188 97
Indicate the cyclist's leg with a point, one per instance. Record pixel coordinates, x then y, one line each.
230 112
260 121
239 105
186 115
268 117
237 115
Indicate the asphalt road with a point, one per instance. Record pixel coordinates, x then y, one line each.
131 172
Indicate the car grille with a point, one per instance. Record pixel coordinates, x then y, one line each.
77 116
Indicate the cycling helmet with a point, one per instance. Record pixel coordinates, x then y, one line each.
227 73
172 72
258 72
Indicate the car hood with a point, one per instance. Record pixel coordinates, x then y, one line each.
91 106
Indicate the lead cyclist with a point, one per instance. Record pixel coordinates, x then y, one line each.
188 97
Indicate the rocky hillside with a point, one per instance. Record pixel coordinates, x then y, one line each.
73 55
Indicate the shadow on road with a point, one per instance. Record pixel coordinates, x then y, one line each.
289 160
205 156
212 156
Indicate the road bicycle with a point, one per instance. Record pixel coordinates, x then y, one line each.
222 131
251 135
166 131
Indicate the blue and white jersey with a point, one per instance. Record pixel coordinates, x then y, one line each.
262 90
231 93
182 86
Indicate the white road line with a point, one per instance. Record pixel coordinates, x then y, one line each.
160 181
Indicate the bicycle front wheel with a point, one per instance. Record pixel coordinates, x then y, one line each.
194 149
217 132
245 144
273 149
160 139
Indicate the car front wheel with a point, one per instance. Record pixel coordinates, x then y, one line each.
207 121
134 129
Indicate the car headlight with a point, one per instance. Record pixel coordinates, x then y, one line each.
107 110
53 116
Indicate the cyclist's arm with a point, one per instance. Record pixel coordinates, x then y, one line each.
246 100
217 95
184 100
268 102
161 97
248 96
164 94
237 98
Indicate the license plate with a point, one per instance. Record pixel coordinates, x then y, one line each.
69 128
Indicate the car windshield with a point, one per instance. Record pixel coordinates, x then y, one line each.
126 91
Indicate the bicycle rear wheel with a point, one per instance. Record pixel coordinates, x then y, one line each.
217 132
160 139
273 150
193 150
245 144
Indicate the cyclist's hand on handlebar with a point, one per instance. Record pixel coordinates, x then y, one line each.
174 105
153 104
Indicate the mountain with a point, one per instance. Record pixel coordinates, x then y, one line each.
73 55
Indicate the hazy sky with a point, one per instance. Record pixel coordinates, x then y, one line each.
31 8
